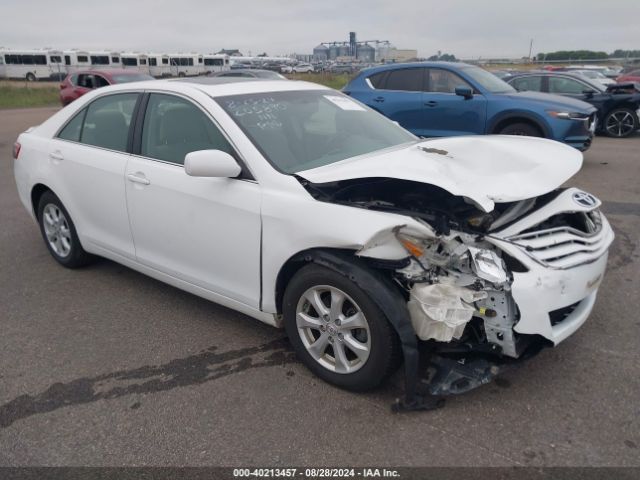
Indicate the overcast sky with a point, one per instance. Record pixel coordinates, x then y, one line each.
466 28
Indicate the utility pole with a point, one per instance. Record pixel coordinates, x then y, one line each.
530 49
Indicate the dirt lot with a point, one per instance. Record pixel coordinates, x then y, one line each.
104 366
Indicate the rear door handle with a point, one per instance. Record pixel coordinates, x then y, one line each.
379 99
431 103
57 156
138 178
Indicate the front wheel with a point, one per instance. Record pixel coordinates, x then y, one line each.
59 233
337 330
620 123
31 77
521 128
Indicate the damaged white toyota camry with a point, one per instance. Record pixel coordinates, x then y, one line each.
301 207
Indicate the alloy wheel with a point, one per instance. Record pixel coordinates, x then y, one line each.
56 229
620 124
333 329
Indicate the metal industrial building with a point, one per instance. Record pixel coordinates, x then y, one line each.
366 51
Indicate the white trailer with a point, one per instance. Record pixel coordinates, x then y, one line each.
159 65
32 65
215 62
186 64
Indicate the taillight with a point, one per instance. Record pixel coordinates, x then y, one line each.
16 150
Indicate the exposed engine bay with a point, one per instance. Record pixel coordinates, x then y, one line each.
456 275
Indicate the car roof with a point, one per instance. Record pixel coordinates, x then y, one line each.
223 86
394 66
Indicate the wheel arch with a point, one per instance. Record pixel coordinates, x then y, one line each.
36 193
501 121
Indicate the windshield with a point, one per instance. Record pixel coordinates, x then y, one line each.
300 130
488 80
124 78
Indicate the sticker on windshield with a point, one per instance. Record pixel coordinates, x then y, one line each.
344 103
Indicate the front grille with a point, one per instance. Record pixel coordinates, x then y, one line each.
564 247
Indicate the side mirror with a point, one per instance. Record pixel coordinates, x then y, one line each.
211 163
465 92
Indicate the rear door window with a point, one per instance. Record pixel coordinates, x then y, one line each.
406 79
106 123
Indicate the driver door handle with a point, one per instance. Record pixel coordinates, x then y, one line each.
379 99
138 178
431 103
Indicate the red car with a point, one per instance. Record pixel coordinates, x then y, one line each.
632 76
79 83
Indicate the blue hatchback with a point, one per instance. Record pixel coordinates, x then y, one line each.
441 99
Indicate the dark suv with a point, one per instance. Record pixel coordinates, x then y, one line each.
618 105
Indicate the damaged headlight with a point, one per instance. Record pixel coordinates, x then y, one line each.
452 259
488 265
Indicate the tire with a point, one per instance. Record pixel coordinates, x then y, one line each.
59 233
30 77
521 128
620 123
360 324
181 74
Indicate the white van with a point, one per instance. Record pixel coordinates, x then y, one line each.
32 65
137 61
159 65
75 60
104 60
216 62
186 64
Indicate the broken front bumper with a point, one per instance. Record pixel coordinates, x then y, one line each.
557 293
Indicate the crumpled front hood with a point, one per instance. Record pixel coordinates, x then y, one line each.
483 169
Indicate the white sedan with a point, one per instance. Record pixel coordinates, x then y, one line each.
304 209
303 68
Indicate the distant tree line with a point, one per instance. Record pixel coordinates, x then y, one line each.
444 57
586 55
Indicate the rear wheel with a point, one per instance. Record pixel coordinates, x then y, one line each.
31 77
521 128
620 122
337 331
59 233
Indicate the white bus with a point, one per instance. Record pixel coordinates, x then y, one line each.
217 62
186 64
75 60
104 60
137 61
159 65
32 65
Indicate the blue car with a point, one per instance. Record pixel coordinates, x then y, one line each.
442 99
